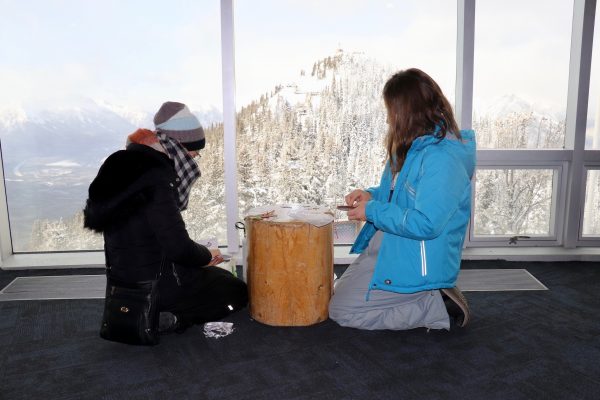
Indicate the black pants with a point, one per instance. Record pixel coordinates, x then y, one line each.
202 294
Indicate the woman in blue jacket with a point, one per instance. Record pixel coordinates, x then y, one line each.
410 246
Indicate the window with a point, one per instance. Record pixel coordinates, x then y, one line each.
521 73
75 82
592 138
519 112
515 202
311 117
591 216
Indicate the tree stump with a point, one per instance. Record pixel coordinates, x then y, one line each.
290 271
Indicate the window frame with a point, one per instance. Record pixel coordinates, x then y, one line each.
559 187
591 240
573 162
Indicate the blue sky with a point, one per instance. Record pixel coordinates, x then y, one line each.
139 53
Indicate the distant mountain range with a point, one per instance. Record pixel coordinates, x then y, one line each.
44 144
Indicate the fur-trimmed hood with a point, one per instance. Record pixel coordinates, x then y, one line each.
124 182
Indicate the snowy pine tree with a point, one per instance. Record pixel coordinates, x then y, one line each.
314 140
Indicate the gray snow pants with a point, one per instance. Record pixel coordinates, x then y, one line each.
384 310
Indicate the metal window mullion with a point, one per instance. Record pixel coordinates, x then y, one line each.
592 240
577 103
592 163
5 236
520 165
559 192
465 45
501 157
591 157
229 123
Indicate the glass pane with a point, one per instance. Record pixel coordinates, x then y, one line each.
592 138
591 215
514 202
521 73
311 118
75 83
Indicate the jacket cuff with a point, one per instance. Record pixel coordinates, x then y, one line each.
369 210
205 252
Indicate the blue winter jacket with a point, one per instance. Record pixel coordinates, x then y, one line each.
425 222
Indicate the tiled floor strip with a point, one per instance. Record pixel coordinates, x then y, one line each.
92 286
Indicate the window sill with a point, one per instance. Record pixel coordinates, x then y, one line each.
91 259
342 256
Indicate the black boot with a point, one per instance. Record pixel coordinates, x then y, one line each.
169 323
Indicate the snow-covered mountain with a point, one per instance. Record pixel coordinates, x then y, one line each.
503 106
11 116
51 153
311 139
133 116
511 122
82 134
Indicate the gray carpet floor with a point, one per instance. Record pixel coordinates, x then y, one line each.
539 344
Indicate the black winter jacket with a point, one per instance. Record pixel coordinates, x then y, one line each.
132 202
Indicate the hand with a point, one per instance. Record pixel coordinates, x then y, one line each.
358 212
216 257
356 196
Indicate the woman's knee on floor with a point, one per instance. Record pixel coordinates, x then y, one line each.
338 306
217 285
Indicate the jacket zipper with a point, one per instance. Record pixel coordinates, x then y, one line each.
423 259
175 274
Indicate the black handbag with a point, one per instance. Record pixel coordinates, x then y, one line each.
131 311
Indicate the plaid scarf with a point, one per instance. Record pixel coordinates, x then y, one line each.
186 168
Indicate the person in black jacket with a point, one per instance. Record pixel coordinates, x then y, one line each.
136 202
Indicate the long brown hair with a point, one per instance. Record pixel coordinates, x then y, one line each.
416 106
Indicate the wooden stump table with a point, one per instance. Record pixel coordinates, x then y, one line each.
289 271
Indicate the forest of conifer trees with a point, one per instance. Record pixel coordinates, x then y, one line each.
315 140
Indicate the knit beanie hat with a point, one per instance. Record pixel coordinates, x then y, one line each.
176 121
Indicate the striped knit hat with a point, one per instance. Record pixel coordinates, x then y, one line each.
176 121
